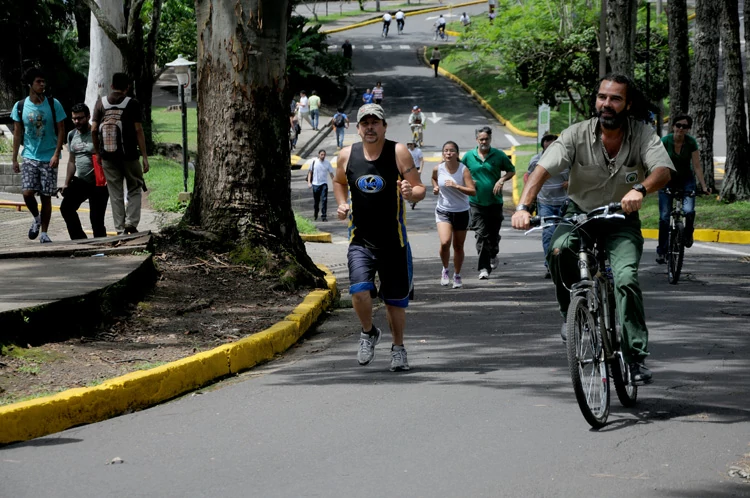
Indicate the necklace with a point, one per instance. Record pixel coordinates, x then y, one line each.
610 160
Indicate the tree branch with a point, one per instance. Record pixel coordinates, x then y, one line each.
107 26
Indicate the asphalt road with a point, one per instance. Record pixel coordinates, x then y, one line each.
487 409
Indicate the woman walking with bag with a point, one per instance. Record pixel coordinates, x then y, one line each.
435 60
452 183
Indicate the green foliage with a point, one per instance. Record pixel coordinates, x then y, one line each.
36 355
167 126
177 32
165 182
305 225
307 52
658 88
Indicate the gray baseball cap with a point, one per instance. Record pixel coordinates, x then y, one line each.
370 110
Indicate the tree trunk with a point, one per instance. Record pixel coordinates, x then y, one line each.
736 184
704 81
242 179
105 59
622 17
679 60
746 15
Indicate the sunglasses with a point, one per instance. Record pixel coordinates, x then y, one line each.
682 126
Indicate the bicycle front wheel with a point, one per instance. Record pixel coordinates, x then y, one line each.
587 364
675 253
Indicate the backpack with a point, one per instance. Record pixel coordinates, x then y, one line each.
339 120
50 100
111 126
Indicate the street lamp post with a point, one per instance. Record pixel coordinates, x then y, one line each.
182 70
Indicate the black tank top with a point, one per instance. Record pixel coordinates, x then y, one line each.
377 217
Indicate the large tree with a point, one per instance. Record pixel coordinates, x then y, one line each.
105 58
704 81
679 59
736 184
137 47
242 180
622 17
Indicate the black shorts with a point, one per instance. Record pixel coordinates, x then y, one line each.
459 220
393 266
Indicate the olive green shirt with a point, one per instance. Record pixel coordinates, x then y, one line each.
592 182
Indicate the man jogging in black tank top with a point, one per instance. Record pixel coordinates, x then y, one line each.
380 176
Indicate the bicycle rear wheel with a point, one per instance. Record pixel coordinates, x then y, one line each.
676 253
627 392
586 362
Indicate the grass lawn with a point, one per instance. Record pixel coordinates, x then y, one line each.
334 14
167 126
165 182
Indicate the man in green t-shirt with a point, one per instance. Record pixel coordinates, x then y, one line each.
490 168
314 103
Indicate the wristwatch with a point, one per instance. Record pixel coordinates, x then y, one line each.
523 207
640 188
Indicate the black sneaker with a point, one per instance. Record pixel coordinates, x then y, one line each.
564 332
689 241
660 259
547 275
640 374
129 230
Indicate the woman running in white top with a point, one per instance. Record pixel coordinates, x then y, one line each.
452 182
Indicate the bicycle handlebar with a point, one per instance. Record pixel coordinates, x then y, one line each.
604 212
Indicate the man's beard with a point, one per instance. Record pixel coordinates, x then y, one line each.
612 122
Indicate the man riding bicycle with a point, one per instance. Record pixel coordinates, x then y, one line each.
400 20
416 123
440 26
609 157
386 23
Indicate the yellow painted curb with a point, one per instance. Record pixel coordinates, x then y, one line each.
408 13
137 390
316 237
708 235
479 99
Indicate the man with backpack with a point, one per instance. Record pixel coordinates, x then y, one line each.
119 141
339 123
84 179
39 127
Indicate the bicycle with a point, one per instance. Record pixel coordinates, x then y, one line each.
417 134
440 32
676 234
594 336
385 29
400 25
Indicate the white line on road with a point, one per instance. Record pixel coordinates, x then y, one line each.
512 140
721 249
369 47
404 47
386 47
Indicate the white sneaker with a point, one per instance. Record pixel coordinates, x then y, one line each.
457 283
445 278
398 359
484 274
493 263
367 345
44 239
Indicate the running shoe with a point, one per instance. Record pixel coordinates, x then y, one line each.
660 259
399 362
493 263
457 284
444 277
484 274
640 374
367 344
44 239
34 230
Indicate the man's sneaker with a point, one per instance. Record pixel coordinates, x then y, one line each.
398 359
484 274
493 263
128 230
547 275
444 277
564 332
457 284
689 241
44 239
34 230
367 345
660 259
640 374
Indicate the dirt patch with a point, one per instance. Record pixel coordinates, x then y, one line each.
201 300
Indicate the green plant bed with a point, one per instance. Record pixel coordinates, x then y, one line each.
165 182
167 126
711 213
305 226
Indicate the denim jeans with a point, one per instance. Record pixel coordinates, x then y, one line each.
320 198
665 208
314 117
340 136
547 210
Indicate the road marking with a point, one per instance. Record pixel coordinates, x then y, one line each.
512 140
404 47
721 249
438 17
387 47
434 118
369 47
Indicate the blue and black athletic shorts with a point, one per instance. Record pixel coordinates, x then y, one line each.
393 267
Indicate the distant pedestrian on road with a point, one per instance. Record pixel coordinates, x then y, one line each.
317 180
119 141
367 96
416 154
380 175
314 103
452 183
552 196
346 50
339 123
81 179
40 127
303 108
294 130
435 59
377 94
465 20
490 168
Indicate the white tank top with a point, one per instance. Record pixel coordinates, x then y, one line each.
450 199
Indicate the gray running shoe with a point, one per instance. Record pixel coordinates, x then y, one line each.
399 362
367 345
44 239
34 230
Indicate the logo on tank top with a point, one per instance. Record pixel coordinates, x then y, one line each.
370 184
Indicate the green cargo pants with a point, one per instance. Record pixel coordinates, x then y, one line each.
624 244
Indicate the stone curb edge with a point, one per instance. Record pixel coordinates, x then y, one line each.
708 235
406 13
479 99
138 390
